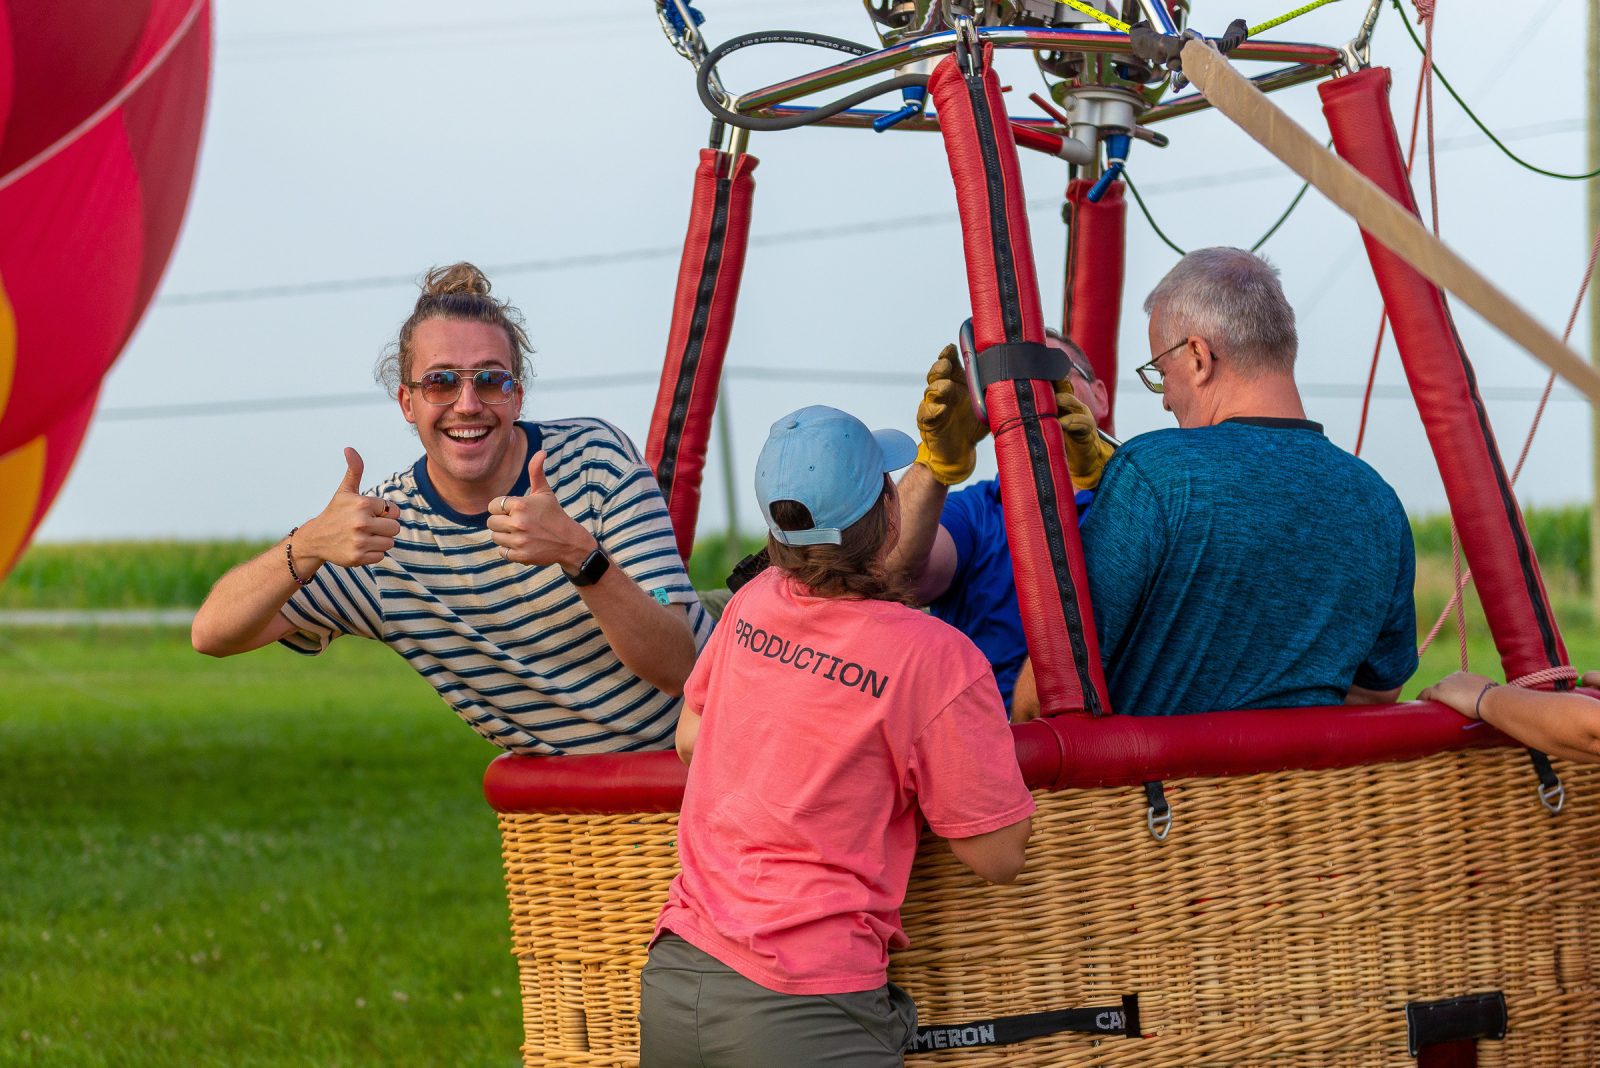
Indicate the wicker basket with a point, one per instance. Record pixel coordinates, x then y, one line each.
1284 924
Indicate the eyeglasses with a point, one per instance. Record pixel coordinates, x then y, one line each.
493 385
1152 376
1085 372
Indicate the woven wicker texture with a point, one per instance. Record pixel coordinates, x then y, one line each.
1284 924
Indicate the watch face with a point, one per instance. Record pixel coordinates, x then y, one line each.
593 566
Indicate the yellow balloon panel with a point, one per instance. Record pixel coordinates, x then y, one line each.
21 485
8 350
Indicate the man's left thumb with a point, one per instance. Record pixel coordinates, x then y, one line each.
537 483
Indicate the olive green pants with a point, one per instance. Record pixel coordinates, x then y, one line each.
696 1012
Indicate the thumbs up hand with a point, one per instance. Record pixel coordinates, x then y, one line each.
534 529
352 530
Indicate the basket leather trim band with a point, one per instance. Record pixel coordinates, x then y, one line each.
1435 1023
1120 1020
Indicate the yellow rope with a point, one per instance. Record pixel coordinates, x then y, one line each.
1122 27
1095 13
1280 20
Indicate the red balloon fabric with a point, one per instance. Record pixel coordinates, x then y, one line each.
101 107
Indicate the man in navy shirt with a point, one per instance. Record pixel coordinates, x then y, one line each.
953 545
1242 560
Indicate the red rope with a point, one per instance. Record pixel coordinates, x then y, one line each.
1555 674
1425 16
1462 580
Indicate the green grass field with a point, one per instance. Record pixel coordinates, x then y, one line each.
262 861
275 860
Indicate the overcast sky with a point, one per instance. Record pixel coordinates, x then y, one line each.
350 146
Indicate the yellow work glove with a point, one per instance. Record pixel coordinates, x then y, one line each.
950 428
1087 451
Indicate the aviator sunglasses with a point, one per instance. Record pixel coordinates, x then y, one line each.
493 386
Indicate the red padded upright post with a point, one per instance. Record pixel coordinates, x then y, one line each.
1091 312
1493 536
1041 522
702 320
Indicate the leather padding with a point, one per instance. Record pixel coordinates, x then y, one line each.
1064 752
697 343
1091 311
1037 497
1493 536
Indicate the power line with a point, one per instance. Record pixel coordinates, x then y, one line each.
637 379
1479 123
580 261
394 37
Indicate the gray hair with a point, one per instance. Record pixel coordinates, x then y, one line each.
1231 298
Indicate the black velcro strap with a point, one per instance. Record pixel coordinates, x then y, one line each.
1158 814
1544 769
1021 359
1007 1030
1434 1023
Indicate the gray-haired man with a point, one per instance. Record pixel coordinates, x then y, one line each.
1242 560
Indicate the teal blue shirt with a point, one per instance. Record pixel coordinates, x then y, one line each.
1251 564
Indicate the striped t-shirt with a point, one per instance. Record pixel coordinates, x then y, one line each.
511 647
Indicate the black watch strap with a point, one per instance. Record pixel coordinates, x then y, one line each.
594 565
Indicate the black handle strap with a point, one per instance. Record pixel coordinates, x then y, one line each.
1020 359
1474 1016
1121 1020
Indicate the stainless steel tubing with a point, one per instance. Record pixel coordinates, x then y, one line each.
1039 39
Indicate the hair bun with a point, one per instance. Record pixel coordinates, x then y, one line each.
460 277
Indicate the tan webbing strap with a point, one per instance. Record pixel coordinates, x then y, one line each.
1376 212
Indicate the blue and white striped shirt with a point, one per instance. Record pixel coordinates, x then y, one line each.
511 647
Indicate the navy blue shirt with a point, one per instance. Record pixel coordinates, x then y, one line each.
1251 564
981 601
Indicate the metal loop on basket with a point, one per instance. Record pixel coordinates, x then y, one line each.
1159 824
1553 797
1158 816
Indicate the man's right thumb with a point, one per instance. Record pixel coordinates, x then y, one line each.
352 474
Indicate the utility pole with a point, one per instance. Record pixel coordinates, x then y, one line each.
1594 309
730 544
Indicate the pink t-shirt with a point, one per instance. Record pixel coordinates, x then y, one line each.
829 726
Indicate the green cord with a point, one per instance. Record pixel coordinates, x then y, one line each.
1145 211
1139 200
1281 19
1295 203
1479 122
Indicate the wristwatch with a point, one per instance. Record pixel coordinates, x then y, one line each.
594 565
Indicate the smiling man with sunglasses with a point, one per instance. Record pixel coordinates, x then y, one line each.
1242 560
526 569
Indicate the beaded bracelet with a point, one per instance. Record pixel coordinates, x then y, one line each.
1477 708
288 554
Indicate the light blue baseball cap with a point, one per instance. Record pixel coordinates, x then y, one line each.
830 462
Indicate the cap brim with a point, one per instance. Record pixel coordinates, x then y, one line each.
898 448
